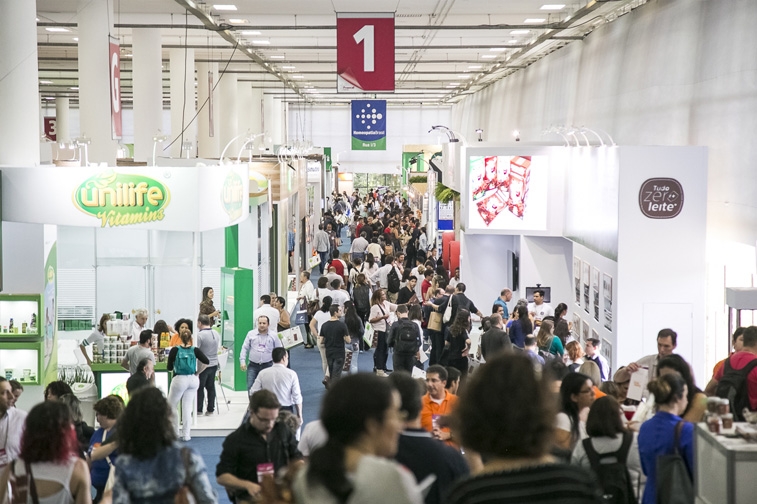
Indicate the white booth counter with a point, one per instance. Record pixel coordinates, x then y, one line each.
725 468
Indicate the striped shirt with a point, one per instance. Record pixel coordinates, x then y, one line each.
553 483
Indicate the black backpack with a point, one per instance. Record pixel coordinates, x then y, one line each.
393 281
406 336
733 386
613 476
674 483
361 294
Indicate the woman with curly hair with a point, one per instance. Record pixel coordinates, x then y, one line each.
49 451
151 466
506 414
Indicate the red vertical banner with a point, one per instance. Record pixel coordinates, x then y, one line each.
114 61
365 52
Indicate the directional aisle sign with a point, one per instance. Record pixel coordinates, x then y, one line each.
368 124
365 52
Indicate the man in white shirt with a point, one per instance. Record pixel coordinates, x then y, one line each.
257 350
338 295
282 381
307 290
539 309
11 425
269 311
138 324
667 340
358 246
381 277
374 249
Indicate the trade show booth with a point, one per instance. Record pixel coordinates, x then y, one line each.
616 233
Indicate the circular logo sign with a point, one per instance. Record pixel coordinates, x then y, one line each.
661 198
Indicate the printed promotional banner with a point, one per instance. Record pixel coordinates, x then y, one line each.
166 198
365 52
507 193
115 90
368 124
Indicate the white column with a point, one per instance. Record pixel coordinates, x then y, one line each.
229 115
19 89
147 75
182 98
62 129
244 107
95 20
272 119
207 145
256 112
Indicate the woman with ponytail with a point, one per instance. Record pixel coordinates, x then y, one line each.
361 414
666 432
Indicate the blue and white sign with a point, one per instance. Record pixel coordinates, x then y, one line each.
368 124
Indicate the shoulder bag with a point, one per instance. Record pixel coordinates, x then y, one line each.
448 311
674 485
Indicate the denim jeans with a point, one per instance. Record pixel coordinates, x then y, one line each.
252 372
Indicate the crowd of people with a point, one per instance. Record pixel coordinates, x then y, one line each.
532 415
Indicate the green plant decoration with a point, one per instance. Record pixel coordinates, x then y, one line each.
444 194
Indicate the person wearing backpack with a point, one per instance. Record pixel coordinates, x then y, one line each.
405 338
737 378
182 360
611 451
388 278
550 346
662 438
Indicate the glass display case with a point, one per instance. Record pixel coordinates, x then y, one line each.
21 345
236 322
21 361
19 316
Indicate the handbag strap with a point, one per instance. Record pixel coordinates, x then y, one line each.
32 484
677 439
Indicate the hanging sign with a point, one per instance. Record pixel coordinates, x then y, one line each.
365 52
51 130
115 90
368 124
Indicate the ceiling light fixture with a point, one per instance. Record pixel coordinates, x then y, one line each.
496 49
74 88
261 42
534 20
520 32
225 7
76 39
553 7
513 41
488 56
298 77
277 56
45 82
475 67
249 32
466 76
57 29
238 21
288 67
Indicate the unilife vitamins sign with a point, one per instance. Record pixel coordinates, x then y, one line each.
661 198
118 199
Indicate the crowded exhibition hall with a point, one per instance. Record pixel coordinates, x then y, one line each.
401 251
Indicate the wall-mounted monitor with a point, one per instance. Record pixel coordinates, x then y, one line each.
514 269
547 293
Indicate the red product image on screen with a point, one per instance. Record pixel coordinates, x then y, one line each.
478 181
520 174
490 207
490 172
503 176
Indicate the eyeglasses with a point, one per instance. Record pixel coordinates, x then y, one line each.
265 420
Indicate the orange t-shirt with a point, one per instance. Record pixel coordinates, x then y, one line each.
176 340
431 409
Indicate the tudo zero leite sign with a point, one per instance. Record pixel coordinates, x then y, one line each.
661 198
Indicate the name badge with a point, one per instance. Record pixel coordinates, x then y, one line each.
263 470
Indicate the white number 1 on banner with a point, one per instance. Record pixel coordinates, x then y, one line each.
365 35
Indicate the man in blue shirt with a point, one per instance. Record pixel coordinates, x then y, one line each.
258 344
504 297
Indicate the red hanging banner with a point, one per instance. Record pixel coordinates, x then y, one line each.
365 52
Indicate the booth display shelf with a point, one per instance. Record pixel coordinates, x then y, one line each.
23 310
22 361
725 468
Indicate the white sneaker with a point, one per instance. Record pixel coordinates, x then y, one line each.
381 372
